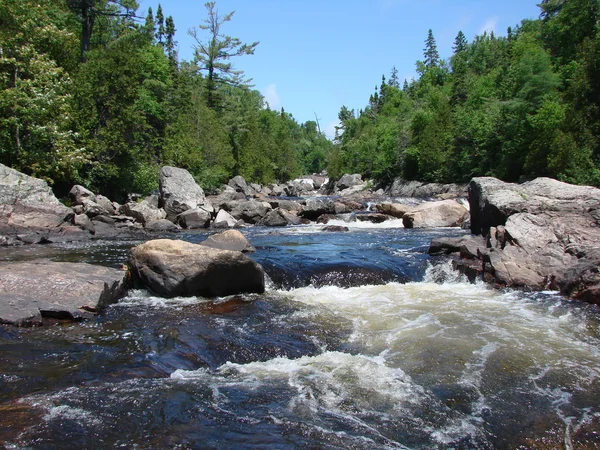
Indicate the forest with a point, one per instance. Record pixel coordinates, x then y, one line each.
93 92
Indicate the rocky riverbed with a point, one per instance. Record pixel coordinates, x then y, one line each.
539 235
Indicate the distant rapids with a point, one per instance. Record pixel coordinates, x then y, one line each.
362 341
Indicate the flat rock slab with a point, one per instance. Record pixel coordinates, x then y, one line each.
32 290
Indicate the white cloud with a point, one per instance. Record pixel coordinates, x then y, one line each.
489 26
271 96
330 129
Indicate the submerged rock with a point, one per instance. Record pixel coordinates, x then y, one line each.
32 290
172 268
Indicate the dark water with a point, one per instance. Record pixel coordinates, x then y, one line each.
353 346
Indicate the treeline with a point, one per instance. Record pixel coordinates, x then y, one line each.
513 107
93 93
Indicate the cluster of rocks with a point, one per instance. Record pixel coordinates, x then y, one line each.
543 234
36 290
30 213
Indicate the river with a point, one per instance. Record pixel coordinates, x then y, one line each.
362 341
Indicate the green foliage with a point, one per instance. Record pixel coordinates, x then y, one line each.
36 123
516 108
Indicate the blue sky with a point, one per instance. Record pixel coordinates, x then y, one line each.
315 56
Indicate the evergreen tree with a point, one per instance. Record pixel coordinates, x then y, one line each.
160 22
432 57
214 56
150 25
88 11
460 43
170 41
394 82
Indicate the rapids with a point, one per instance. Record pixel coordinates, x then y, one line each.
362 341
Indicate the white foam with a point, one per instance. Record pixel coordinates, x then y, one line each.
139 297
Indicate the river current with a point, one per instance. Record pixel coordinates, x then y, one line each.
362 341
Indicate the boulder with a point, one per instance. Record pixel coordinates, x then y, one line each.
178 191
172 268
393 209
142 212
106 204
348 181
194 218
84 222
372 217
250 211
32 290
445 213
542 234
161 226
492 201
78 194
238 183
273 219
27 205
325 218
224 220
229 240
288 205
316 207
277 190
335 228
279 218
92 209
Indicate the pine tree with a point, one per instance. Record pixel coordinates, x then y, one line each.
150 25
432 57
394 78
214 56
460 43
160 21
170 43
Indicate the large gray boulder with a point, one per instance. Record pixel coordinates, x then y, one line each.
316 207
172 268
492 201
194 218
142 212
279 218
179 191
445 213
238 183
250 211
78 194
348 181
542 234
28 206
32 290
